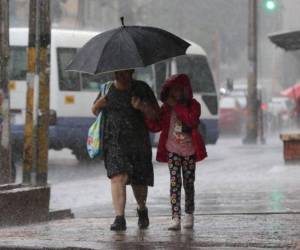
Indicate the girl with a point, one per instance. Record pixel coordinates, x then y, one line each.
180 143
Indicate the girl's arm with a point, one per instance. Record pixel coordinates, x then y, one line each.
155 125
189 115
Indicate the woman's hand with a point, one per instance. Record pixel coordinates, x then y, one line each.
99 105
148 109
136 103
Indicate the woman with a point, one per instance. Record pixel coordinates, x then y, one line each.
126 146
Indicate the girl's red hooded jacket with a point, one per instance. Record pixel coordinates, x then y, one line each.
188 115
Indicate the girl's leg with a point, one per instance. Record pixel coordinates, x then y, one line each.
175 184
188 171
118 191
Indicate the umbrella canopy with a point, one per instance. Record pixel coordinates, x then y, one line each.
127 47
292 92
287 40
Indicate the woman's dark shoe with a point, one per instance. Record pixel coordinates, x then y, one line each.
119 224
143 218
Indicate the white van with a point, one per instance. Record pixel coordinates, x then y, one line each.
72 93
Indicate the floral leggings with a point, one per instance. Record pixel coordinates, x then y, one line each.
187 164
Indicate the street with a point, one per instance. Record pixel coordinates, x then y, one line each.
245 202
233 179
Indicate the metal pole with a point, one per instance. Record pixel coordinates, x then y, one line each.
43 114
252 102
5 138
28 129
261 119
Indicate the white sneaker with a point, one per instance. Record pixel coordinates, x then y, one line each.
175 224
188 221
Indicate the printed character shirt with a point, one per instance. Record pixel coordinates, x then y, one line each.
179 141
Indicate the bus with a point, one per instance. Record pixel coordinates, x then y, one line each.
72 93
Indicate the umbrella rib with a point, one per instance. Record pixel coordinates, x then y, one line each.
127 47
135 47
107 43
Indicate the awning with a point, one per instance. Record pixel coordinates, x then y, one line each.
287 40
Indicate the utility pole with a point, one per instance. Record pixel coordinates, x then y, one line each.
43 111
5 142
36 93
216 58
252 100
30 137
31 65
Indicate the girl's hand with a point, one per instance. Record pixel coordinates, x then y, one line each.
171 101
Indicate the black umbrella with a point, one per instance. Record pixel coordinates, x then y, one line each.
127 47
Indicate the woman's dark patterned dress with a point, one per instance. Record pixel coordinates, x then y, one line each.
126 144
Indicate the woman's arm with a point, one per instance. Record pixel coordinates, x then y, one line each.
145 101
189 115
152 114
99 104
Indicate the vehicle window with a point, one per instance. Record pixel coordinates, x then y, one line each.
227 103
17 65
197 68
75 81
93 82
68 80
242 102
146 75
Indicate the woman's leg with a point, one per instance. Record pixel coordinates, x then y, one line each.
140 193
118 191
188 172
175 184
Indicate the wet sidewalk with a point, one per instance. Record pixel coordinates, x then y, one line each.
245 202
223 231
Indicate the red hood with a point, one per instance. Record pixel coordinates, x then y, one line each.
181 79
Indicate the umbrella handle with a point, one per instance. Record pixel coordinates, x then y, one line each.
122 21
